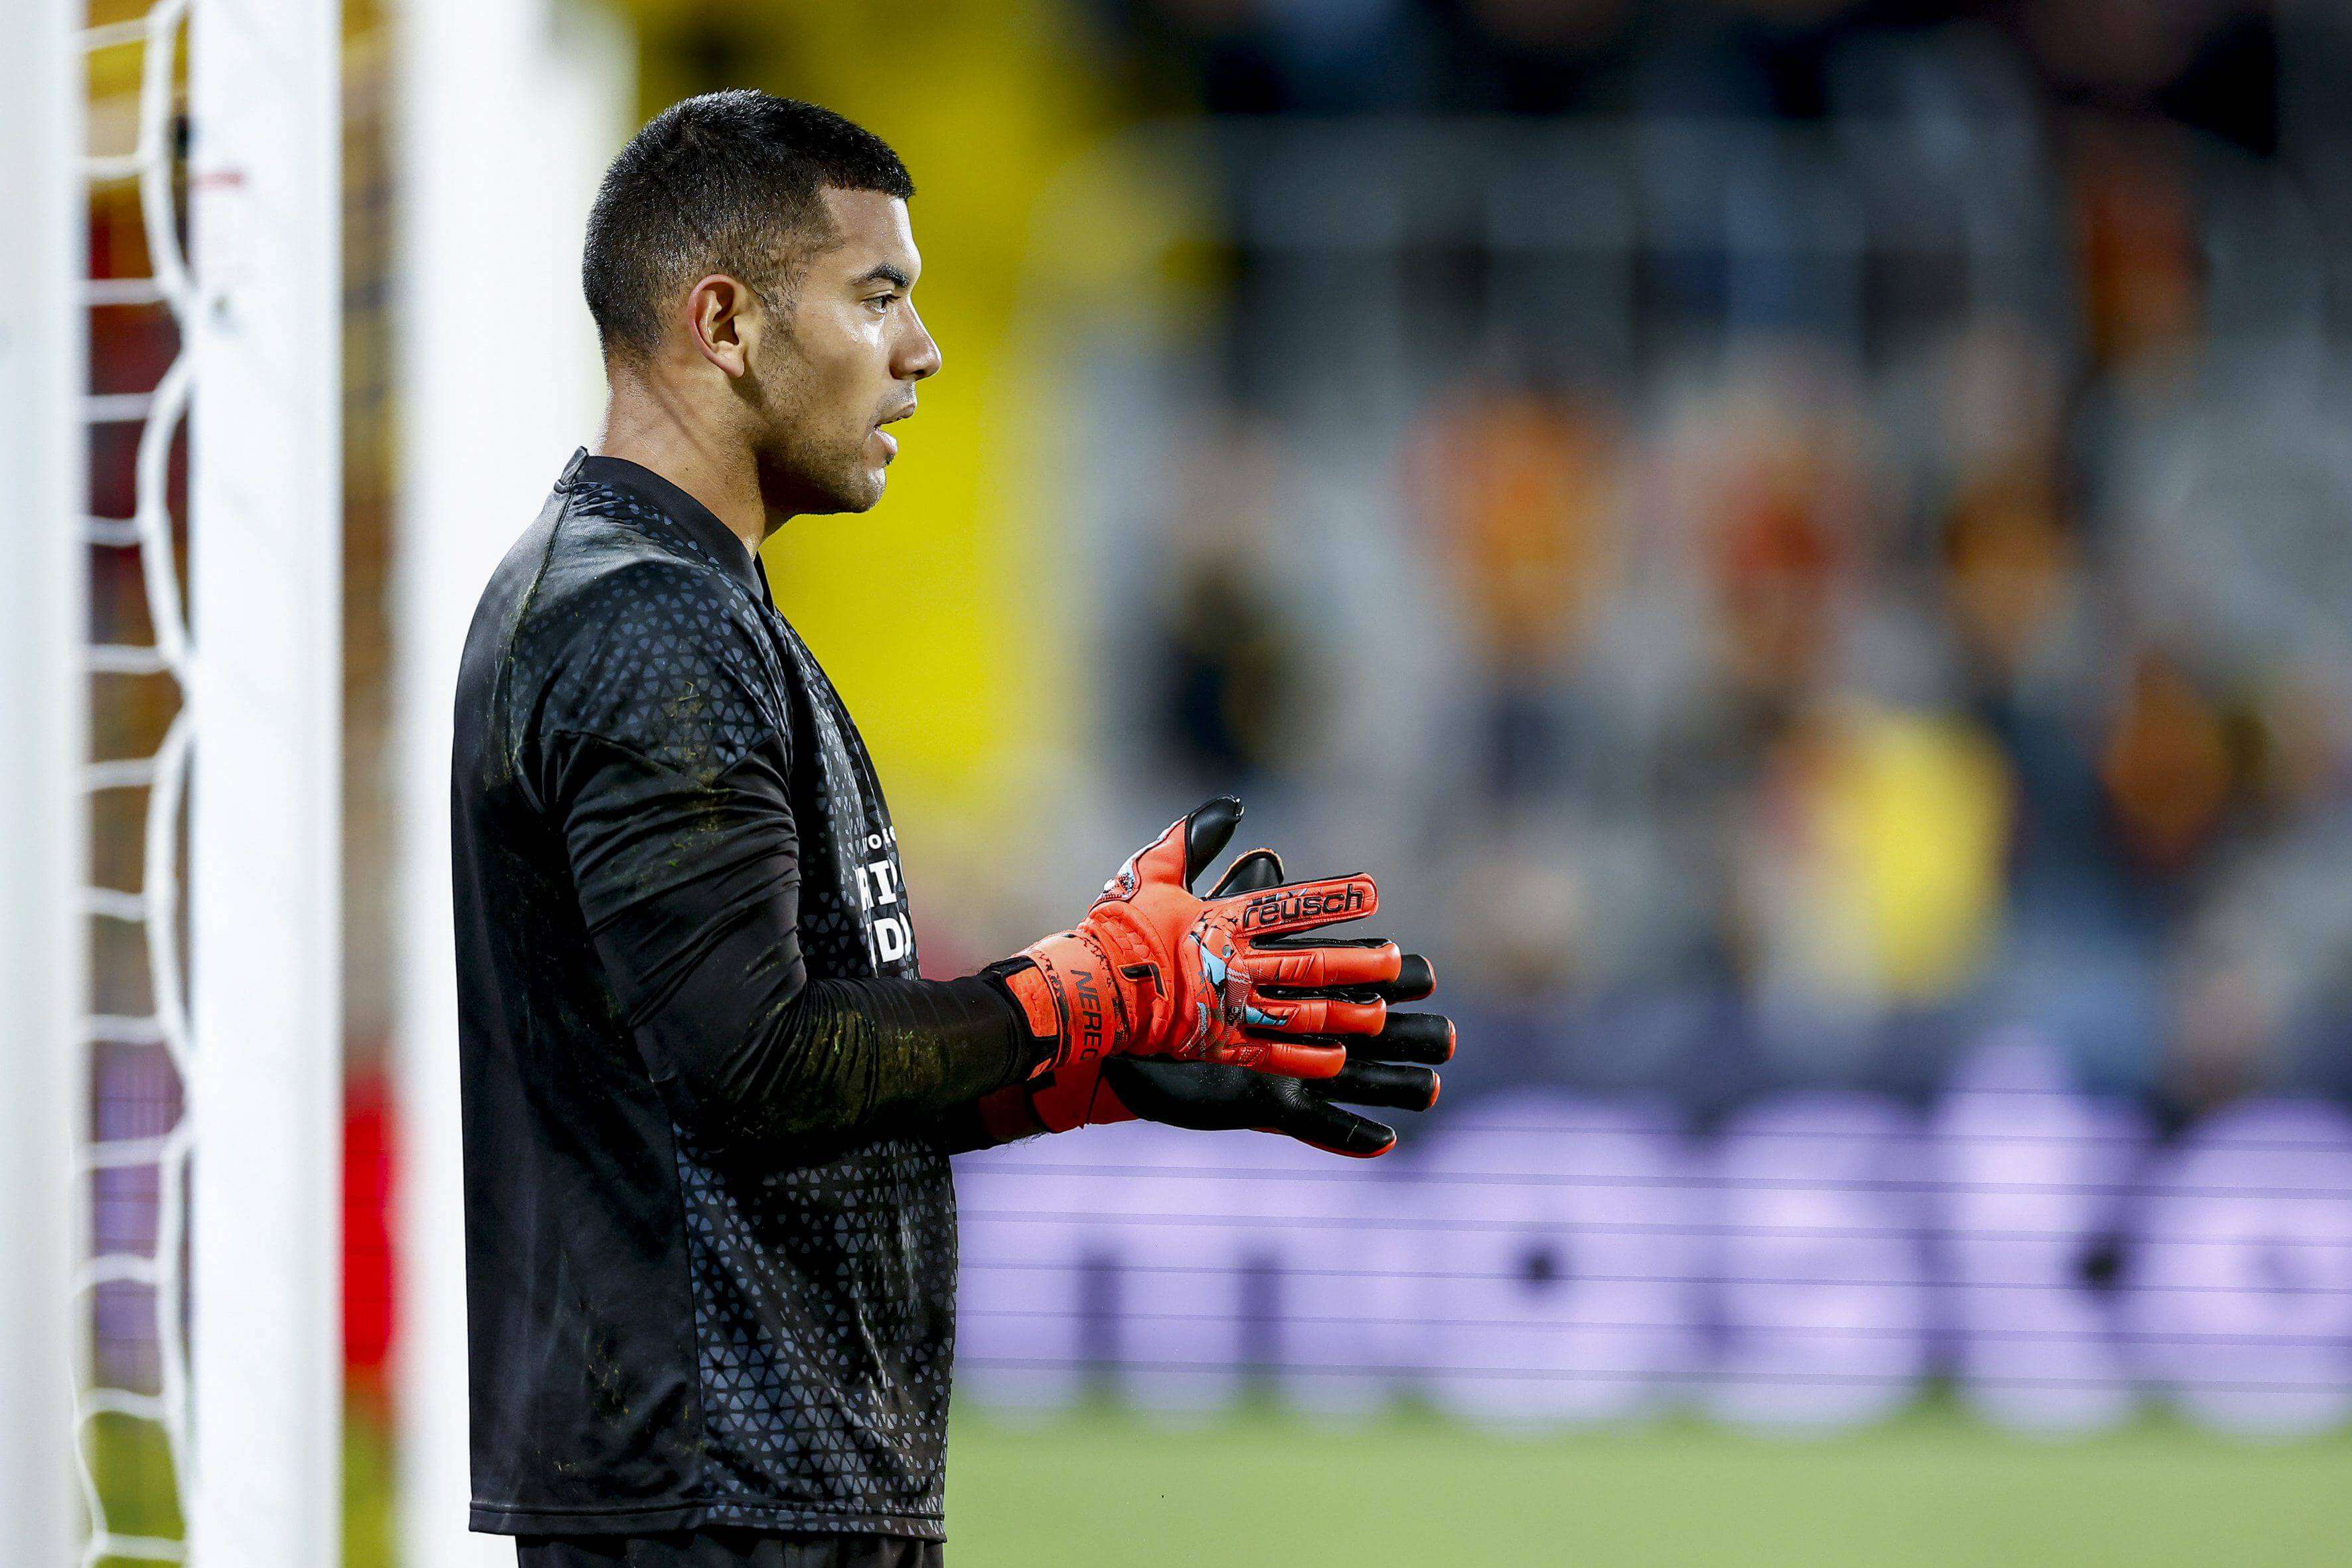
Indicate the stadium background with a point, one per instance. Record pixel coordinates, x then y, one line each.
1801 540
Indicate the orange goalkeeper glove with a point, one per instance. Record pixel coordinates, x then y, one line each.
1155 970
1390 1068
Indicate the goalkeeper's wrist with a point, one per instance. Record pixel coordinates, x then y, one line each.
1069 996
1006 1114
1035 1017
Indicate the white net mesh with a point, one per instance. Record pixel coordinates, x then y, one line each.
135 1161
208 1162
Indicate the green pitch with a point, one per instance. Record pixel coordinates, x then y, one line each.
1107 1490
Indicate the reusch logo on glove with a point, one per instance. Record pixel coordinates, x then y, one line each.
1285 906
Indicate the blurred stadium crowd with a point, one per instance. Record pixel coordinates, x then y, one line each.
1794 535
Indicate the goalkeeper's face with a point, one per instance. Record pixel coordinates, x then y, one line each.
844 363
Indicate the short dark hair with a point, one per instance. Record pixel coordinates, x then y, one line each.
724 182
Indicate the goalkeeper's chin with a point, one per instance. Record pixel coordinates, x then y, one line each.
855 486
869 474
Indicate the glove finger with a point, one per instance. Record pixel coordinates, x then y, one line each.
1327 1127
1208 1096
1318 967
1423 1037
1253 872
1302 906
1416 978
1314 1014
1383 1083
1170 859
1283 1059
1206 833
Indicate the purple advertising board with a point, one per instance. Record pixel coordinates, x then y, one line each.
1816 1261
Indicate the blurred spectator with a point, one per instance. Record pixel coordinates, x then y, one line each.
1788 519
1225 669
1230 678
2136 237
1876 852
1517 496
2010 571
2166 767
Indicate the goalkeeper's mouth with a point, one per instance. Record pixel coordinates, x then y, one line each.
891 442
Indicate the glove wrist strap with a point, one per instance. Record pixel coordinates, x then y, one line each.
1071 997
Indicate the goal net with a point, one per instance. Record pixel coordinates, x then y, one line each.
169 757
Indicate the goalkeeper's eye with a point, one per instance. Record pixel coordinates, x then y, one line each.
884 301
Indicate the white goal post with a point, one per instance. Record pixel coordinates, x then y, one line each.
41 748
264 821
508 111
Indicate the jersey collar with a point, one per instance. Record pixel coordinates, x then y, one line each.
698 521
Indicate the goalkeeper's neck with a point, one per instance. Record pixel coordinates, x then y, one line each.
654 424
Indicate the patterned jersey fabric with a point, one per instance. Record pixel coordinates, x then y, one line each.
710 1233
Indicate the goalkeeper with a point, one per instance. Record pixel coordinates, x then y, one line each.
709 1101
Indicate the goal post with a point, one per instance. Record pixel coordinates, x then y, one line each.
42 740
264 821
508 111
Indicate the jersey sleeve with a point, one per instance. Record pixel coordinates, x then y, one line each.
666 773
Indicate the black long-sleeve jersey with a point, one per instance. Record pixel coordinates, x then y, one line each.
709 1227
